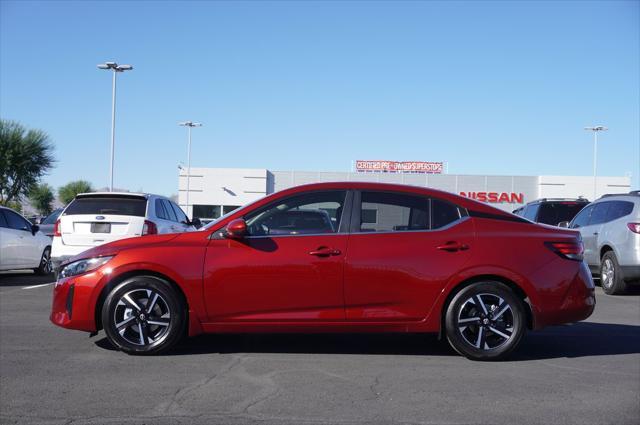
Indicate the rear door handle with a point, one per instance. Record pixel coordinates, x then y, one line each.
325 252
453 247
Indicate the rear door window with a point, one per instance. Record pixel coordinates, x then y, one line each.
443 213
599 213
108 205
394 212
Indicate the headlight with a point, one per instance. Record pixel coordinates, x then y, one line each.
83 266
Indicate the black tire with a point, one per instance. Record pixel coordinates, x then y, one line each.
142 331
45 266
611 278
485 335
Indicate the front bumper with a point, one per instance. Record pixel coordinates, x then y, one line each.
74 301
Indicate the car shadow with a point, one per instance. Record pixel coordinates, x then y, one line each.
24 278
580 340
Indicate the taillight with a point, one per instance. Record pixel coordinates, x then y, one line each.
56 228
149 228
568 250
634 227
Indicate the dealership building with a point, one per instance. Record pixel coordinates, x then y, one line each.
217 191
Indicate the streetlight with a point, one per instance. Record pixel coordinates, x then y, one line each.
595 130
189 125
115 68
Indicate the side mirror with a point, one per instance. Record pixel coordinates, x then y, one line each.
564 224
236 229
196 223
34 229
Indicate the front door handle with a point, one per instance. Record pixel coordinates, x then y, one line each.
323 251
453 247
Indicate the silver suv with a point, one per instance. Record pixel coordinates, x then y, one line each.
610 229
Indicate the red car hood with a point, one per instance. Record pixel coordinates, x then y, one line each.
112 248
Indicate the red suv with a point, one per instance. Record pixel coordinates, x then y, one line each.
335 257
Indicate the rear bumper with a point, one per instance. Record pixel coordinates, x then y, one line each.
577 304
630 272
61 252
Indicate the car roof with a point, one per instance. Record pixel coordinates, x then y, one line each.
118 194
633 197
551 200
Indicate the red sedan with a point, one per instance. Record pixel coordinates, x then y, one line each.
335 257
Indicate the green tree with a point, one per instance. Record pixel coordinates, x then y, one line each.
41 197
25 156
69 191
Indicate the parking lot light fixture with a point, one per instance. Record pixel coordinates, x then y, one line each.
115 68
189 125
595 130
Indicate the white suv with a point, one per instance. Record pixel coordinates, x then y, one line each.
93 219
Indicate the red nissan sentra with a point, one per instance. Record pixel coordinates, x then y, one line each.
335 257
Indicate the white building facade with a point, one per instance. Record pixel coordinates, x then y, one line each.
217 191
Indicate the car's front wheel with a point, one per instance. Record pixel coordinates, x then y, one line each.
485 321
143 315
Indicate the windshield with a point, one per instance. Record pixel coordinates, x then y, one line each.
554 213
51 218
111 205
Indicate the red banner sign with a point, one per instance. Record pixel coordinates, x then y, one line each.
399 167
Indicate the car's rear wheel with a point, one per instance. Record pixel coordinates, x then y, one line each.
143 315
485 321
45 266
611 278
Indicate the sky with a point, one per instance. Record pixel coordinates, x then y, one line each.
501 88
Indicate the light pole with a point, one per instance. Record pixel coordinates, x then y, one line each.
189 125
595 130
115 68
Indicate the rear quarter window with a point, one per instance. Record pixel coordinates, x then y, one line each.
619 209
108 205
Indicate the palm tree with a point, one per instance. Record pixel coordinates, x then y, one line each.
25 156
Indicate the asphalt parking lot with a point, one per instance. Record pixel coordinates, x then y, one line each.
587 373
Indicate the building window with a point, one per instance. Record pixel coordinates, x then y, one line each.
226 209
369 216
206 211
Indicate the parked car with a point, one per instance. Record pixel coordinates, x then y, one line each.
399 259
551 211
610 229
47 223
93 219
22 245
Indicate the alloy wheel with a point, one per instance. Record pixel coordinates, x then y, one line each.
607 273
142 317
486 321
45 262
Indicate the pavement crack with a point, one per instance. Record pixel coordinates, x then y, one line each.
173 405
